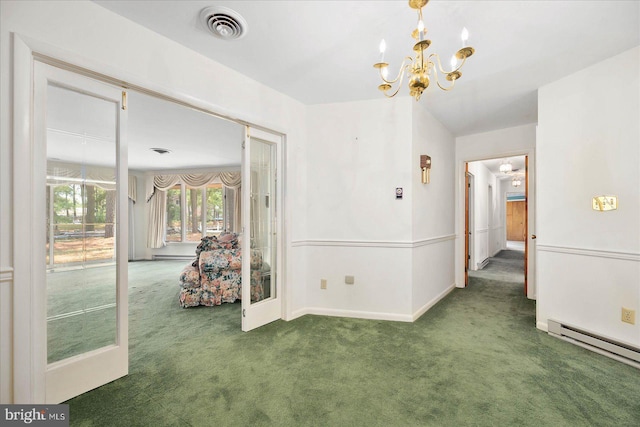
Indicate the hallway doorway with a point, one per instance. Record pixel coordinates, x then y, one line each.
497 218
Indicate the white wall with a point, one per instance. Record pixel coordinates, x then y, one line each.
589 145
359 152
400 251
140 215
433 232
483 213
506 142
88 35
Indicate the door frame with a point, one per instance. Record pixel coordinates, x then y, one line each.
460 250
28 339
469 222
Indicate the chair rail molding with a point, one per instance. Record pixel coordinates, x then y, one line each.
375 243
598 253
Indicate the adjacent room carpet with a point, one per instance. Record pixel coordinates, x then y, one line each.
474 359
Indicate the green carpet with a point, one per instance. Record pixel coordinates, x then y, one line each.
505 266
474 359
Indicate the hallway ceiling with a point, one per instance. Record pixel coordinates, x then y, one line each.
323 51
517 163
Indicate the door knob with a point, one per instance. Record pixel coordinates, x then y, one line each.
533 237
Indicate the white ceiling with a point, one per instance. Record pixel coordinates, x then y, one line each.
323 51
81 129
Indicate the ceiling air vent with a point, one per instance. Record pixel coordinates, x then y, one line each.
223 22
161 150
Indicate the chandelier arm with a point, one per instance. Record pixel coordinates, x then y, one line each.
446 88
435 76
401 77
394 93
464 58
440 64
400 71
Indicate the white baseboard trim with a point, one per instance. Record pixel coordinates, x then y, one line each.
372 315
433 302
542 326
354 314
298 313
173 257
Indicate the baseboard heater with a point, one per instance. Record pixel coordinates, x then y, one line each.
605 346
175 257
483 264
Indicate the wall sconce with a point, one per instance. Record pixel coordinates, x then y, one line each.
425 165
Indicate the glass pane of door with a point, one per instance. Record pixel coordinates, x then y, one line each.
261 224
263 216
81 223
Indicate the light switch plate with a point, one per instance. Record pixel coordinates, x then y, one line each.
604 203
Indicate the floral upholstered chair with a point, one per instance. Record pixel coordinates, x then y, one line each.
215 276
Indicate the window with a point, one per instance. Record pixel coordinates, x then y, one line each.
215 209
80 223
193 213
174 214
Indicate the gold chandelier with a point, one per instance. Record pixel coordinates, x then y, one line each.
422 68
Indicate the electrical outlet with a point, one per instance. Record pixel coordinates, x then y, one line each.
349 280
628 316
323 283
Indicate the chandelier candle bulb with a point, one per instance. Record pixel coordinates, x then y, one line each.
464 36
383 47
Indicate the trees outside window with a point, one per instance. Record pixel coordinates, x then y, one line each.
193 213
80 222
215 209
174 214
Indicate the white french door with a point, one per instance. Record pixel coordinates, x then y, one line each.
80 171
262 209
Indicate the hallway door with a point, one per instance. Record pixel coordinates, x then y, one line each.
516 219
80 300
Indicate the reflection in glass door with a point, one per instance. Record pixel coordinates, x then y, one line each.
79 122
262 207
81 229
263 220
